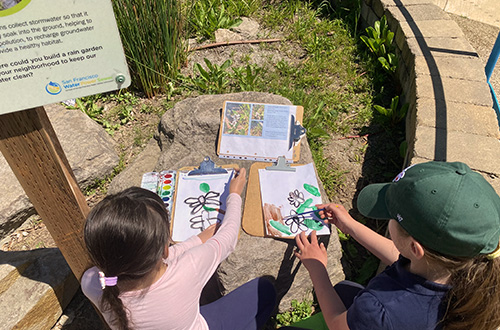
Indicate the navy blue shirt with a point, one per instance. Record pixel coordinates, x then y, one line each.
397 299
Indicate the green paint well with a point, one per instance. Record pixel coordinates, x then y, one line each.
312 190
165 193
204 187
279 226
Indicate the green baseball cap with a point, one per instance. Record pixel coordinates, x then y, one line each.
445 206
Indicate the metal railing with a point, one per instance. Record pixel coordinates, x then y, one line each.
490 65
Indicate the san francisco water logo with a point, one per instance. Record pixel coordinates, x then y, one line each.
53 88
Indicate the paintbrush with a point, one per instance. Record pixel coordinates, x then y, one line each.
308 212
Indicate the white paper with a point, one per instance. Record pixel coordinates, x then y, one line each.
286 194
200 202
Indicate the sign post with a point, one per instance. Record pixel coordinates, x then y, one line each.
50 51
30 146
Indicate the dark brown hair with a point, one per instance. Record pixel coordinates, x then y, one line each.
473 302
126 235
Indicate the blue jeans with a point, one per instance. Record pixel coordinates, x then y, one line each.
246 308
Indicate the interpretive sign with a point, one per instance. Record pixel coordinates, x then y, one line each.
54 50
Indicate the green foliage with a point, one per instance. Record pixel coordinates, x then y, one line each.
207 16
214 80
89 107
394 114
379 40
247 77
122 97
152 36
299 311
367 270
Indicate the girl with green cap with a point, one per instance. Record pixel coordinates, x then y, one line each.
444 224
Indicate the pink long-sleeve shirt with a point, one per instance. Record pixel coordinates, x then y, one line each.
172 302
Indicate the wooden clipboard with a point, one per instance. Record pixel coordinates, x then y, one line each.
187 169
299 115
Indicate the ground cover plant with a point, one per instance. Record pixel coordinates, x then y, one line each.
322 63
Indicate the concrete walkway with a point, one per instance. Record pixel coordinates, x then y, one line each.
485 11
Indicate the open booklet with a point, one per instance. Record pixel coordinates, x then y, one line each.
261 132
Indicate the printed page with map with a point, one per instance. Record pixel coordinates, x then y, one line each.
287 194
257 131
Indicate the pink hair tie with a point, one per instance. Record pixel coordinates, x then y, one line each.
107 281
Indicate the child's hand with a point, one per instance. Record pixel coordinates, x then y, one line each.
207 233
336 214
310 252
238 181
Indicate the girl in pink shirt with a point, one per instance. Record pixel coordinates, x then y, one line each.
141 282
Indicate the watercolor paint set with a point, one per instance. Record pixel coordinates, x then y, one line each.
163 184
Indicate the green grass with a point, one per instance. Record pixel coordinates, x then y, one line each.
155 26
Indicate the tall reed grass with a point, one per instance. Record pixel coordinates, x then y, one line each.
152 36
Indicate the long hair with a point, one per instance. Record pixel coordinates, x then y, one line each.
126 235
473 302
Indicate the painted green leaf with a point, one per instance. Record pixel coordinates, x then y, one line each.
313 224
279 226
312 190
305 205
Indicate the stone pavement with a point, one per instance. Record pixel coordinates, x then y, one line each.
450 116
485 11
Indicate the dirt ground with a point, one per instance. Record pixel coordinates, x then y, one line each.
360 159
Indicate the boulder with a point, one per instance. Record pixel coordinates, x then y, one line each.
35 286
90 152
188 133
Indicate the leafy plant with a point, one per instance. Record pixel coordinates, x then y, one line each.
395 113
214 80
126 114
246 77
207 16
152 36
379 40
299 311
88 106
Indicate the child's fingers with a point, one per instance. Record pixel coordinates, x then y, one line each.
314 237
322 247
242 173
299 239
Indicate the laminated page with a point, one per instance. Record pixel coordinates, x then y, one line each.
256 131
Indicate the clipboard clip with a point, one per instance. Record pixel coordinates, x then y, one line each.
207 166
281 165
296 131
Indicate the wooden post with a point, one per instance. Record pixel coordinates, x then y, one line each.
30 146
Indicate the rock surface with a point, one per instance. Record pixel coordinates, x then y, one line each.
89 150
188 133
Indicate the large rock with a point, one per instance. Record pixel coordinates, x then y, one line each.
188 133
35 286
89 150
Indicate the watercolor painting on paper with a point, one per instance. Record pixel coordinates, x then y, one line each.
285 195
200 202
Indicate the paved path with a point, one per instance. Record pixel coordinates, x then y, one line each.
485 11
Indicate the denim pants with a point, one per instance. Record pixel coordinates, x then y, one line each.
246 308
